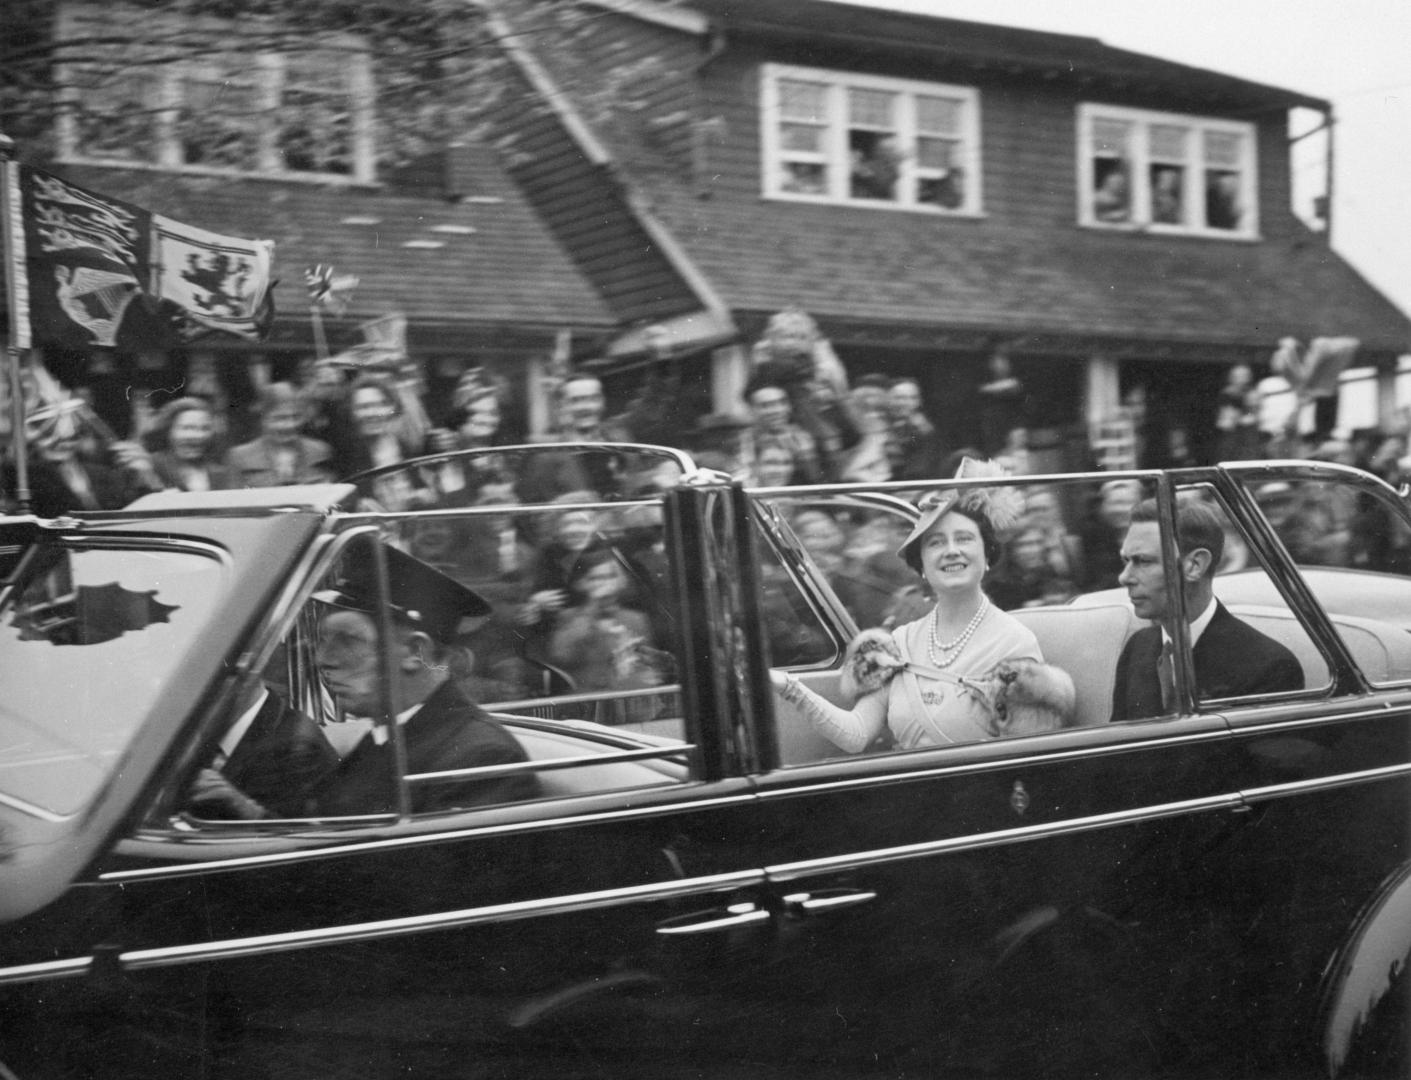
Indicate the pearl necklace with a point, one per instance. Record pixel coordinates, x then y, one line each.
945 653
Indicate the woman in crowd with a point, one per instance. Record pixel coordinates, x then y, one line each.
473 424
868 461
281 455
915 694
1025 576
599 641
374 412
182 442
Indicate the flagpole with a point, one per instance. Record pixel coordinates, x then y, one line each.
17 310
320 342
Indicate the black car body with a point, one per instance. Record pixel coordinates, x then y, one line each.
705 886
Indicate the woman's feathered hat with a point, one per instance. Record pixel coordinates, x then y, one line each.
1002 507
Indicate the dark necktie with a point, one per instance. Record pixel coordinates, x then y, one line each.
1166 673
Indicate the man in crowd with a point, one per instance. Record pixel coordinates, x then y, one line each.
441 729
913 444
1232 659
771 411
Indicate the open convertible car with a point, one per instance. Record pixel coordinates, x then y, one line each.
700 883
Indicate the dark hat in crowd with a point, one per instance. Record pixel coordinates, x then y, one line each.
418 594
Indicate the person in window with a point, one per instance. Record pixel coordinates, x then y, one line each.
1112 200
281 455
442 729
1222 200
1166 202
933 681
1232 659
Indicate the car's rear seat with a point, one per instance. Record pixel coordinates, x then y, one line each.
1085 639
543 745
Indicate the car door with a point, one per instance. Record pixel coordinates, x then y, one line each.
600 924
1328 784
1003 905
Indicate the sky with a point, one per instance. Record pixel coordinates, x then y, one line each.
1354 53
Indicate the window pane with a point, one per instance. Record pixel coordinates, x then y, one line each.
99 634
1222 149
1112 190
1168 141
802 100
117 118
219 120
939 116
934 153
1110 137
1168 194
803 138
875 165
1222 199
1353 545
871 108
947 191
805 178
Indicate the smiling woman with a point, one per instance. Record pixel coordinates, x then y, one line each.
938 679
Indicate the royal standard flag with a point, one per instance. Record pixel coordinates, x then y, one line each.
84 269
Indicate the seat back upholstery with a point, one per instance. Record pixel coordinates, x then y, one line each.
542 745
1382 651
1085 642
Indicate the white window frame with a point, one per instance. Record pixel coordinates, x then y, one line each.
835 155
1140 215
166 153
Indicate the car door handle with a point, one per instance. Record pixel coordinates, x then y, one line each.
826 900
707 922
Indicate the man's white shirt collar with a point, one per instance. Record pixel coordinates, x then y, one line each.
1198 624
379 733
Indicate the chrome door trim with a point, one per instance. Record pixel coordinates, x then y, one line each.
1326 783
181 843
1020 835
1037 759
262 945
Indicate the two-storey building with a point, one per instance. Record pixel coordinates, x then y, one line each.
655 179
935 191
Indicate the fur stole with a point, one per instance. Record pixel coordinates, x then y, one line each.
1023 696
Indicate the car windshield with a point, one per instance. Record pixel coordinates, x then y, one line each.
98 634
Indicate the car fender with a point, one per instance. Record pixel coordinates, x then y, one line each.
1365 970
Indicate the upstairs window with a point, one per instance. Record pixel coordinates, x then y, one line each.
214 97
1166 172
835 137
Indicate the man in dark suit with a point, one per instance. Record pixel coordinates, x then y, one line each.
441 729
269 762
1232 659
